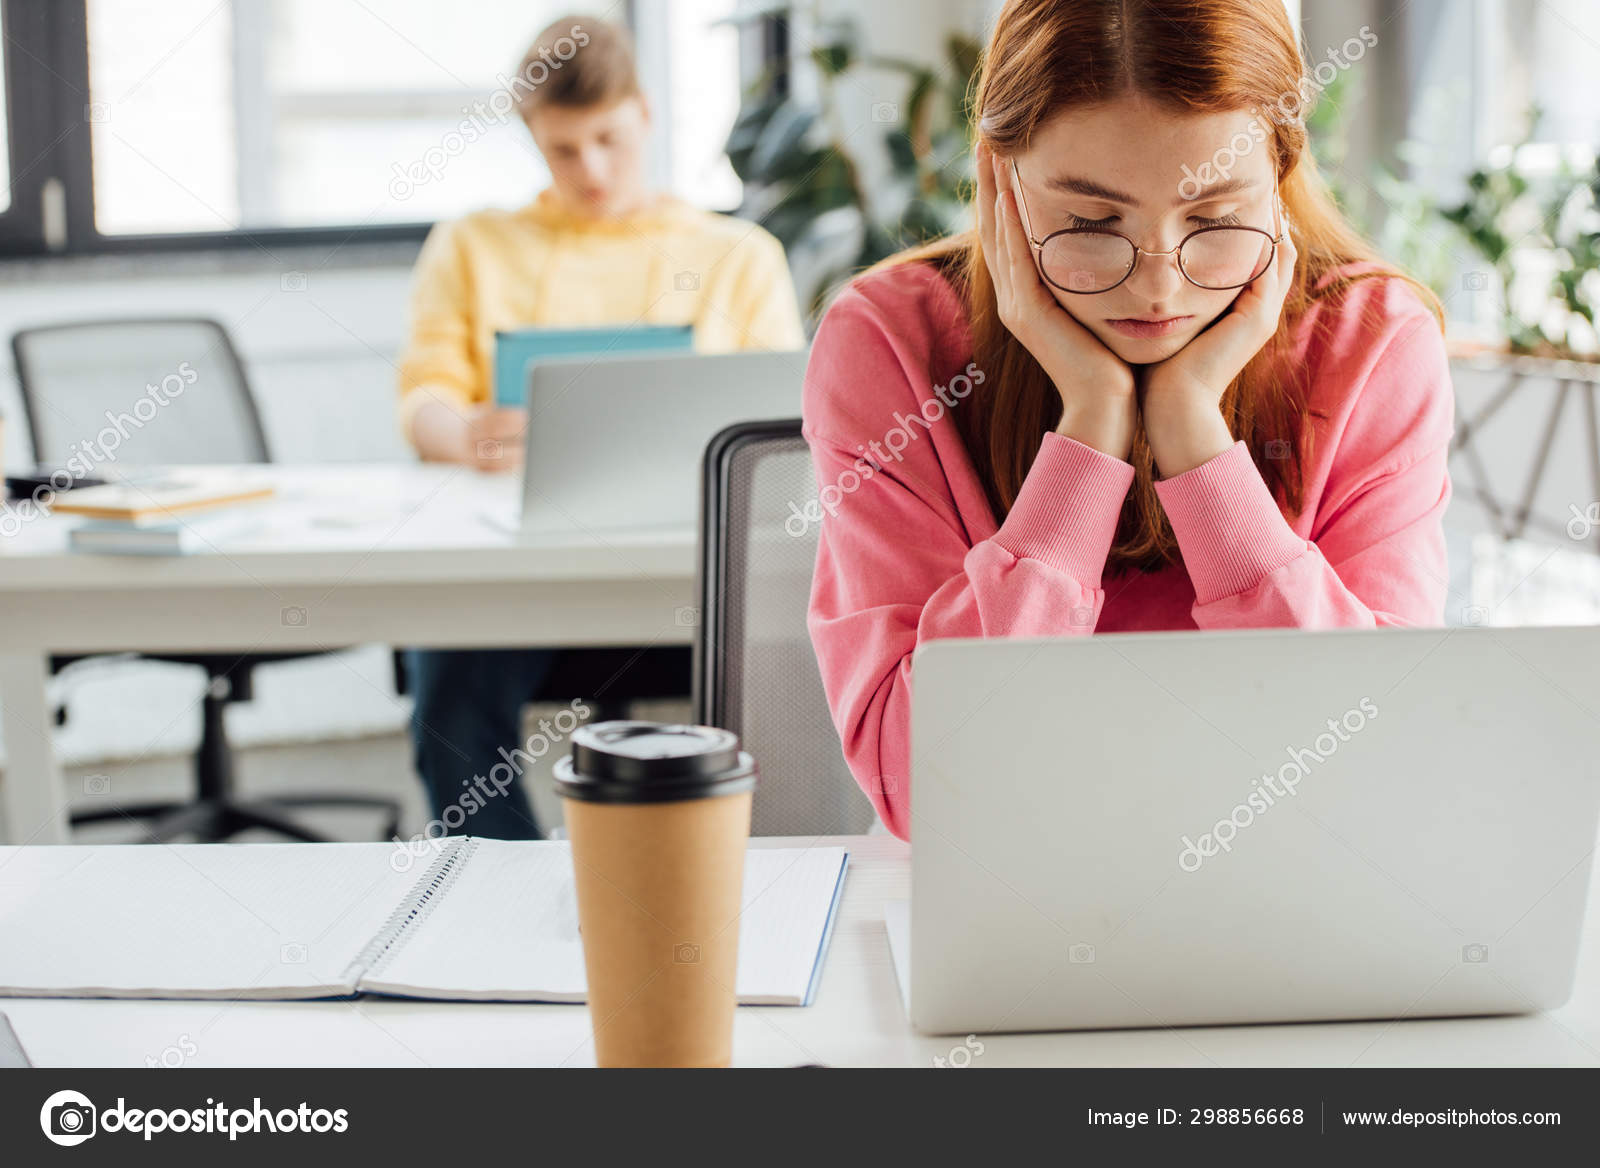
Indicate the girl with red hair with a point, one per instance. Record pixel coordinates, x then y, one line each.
1162 384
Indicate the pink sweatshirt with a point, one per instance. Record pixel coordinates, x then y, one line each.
911 553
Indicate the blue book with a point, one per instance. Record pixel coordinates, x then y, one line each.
181 537
516 349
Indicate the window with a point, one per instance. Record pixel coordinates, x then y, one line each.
199 122
1477 71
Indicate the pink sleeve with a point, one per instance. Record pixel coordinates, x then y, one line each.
894 565
1376 555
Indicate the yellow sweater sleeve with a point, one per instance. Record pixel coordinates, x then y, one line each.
436 362
762 305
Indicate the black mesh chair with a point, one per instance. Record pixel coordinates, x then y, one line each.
71 376
755 670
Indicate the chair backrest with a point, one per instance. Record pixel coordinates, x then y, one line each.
140 392
755 670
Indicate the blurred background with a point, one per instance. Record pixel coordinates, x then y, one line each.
275 164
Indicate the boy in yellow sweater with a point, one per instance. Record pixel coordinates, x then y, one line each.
598 246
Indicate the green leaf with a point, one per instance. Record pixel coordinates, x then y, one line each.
901 156
747 129
963 53
922 89
837 47
831 59
780 142
788 221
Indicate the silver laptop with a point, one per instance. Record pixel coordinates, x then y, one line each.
1173 829
616 442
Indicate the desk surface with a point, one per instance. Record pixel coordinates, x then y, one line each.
857 1020
404 554
362 523
407 553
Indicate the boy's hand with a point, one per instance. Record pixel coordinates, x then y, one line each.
483 437
494 437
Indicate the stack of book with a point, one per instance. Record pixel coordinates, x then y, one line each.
176 513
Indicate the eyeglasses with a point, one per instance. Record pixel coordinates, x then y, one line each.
1089 260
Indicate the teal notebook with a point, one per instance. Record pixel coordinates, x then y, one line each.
516 349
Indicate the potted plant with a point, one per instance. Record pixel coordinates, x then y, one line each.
1538 230
800 163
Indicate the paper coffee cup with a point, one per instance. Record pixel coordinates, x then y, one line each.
659 819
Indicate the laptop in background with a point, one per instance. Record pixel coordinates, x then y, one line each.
617 442
1096 840
516 349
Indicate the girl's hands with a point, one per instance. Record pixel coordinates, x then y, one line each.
1183 394
1099 405
1100 401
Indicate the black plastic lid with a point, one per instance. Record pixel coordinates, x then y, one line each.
653 762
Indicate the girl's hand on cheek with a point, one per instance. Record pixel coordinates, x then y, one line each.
1099 405
1183 394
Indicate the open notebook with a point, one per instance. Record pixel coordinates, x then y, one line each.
473 919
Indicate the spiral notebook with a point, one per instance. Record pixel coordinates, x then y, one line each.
468 919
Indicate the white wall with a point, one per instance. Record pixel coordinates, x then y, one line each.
321 359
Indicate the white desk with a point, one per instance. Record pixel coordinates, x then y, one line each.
857 1020
402 554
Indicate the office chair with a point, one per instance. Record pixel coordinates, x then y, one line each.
755 670
609 678
71 377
